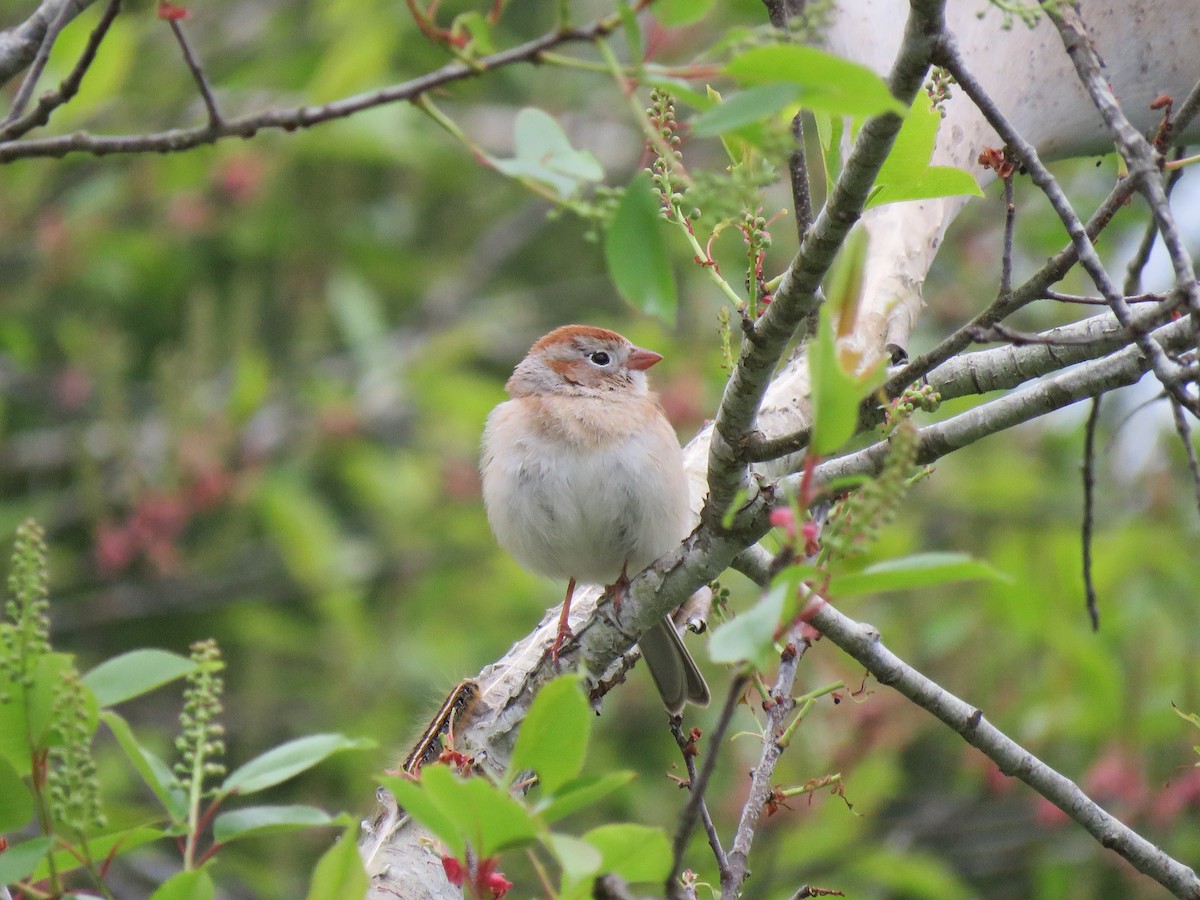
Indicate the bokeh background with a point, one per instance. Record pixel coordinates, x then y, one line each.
243 388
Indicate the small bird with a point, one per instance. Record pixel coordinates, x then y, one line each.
583 479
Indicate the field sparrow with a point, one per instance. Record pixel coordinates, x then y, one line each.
583 479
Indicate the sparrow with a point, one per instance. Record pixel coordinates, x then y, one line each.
583 479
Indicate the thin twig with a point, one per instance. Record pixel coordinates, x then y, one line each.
948 56
69 87
1158 297
798 170
206 94
760 780
696 807
1133 272
1183 429
1089 498
291 118
1010 218
1144 166
39 64
999 332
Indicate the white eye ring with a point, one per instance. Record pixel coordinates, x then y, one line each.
599 358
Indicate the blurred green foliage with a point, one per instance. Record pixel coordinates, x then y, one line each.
243 387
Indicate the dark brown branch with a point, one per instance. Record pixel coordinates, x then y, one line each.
696 807
1184 430
292 118
69 87
206 94
1010 219
1089 498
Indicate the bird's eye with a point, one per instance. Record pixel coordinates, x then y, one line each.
600 358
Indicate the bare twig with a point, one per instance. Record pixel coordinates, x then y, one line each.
1099 301
291 118
1000 332
19 44
69 87
696 807
39 64
206 94
1133 272
948 56
1089 498
798 172
1184 430
760 780
1144 168
1010 218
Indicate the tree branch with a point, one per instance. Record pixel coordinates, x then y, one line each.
948 56
864 644
797 297
291 118
19 45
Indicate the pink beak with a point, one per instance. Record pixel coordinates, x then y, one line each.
640 359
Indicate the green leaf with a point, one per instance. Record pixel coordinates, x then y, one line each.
917 571
16 800
579 793
476 25
834 406
21 860
637 853
288 760
255 821
579 860
827 82
421 806
339 872
674 13
194 885
27 711
470 811
554 735
544 153
835 392
135 673
153 770
750 634
748 107
906 173
636 254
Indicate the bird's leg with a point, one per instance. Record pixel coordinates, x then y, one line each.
564 627
618 587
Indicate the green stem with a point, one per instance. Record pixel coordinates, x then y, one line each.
805 703
814 785
448 125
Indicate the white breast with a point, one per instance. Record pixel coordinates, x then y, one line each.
569 506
